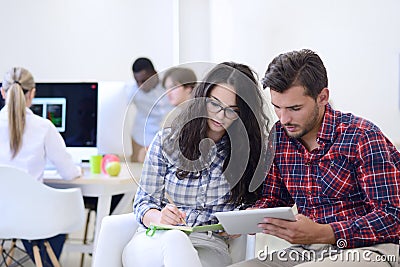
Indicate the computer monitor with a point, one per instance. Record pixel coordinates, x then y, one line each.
72 107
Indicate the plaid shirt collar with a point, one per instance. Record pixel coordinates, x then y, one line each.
222 143
327 131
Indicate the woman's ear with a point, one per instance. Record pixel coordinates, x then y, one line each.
32 93
30 96
3 93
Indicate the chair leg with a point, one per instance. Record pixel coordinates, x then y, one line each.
36 254
11 253
51 254
85 236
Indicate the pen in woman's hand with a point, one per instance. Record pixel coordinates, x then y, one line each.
171 201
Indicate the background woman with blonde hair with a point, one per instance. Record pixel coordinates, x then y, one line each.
27 141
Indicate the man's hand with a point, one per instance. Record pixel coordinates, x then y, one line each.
302 231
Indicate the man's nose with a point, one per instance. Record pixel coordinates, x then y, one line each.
284 117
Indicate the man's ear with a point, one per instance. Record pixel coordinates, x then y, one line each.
323 97
3 93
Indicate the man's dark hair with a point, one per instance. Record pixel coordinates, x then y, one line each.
296 68
142 63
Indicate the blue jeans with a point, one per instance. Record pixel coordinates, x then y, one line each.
56 242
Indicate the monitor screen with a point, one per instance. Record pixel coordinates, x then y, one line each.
71 107
54 109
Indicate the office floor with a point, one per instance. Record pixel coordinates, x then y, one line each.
71 258
68 258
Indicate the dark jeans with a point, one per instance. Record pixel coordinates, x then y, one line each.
56 242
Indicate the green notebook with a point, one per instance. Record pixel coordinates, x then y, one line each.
187 229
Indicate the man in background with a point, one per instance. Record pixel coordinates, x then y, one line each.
148 96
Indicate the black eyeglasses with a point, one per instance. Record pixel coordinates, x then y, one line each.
214 106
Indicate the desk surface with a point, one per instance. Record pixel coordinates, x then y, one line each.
130 173
96 185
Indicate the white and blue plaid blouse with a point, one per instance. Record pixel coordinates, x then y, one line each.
199 197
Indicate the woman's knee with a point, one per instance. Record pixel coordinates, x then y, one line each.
137 250
175 237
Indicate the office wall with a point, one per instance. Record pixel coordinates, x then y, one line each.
98 40
85 40
194 30
358 41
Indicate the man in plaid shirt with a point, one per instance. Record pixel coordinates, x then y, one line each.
340 170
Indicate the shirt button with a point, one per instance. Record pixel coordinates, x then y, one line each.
309 192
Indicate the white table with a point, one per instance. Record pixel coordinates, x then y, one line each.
103 187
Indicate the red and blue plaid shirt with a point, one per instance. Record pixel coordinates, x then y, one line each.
352 181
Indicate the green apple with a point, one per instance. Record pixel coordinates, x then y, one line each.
113 168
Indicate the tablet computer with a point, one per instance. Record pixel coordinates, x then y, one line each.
245 221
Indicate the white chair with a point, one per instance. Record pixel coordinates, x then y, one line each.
117 230
33 211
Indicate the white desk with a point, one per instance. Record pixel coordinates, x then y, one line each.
103 187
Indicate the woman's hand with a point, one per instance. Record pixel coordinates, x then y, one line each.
171 215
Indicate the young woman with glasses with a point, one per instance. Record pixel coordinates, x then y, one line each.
212 158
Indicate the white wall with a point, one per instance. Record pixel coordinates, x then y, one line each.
85 40
194 30
358 40
98 40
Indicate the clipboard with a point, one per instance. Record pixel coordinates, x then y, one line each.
245 221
